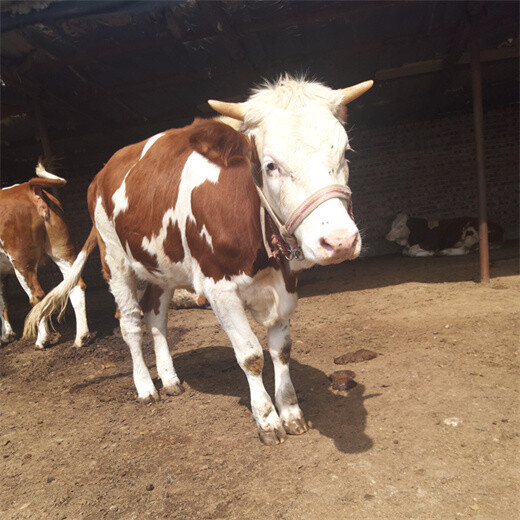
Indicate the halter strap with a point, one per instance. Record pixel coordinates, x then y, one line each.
297 217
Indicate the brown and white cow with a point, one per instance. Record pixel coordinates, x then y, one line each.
183 209
32 228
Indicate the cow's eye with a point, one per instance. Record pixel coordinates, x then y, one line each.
347 150
271 167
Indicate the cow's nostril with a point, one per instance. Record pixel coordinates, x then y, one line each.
326 245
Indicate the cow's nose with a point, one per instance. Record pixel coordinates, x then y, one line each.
340 244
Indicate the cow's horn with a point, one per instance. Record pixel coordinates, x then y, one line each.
234 110
351 93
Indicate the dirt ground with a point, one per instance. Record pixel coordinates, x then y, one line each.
430 431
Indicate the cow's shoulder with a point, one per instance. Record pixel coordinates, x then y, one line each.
218 142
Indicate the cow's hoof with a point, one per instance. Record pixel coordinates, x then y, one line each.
10 336
272 437
296 426
39 346
152 398
83 341
173 389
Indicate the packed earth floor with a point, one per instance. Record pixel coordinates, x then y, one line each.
430 431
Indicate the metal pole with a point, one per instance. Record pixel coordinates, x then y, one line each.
481 169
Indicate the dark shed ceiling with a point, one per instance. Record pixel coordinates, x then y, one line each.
105 74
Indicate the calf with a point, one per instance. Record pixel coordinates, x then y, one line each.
32 227
234 214
450 237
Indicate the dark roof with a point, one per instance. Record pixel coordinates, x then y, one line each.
121 70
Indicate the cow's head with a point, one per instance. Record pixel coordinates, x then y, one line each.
399 231
297 127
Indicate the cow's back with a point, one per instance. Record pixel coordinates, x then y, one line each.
219 221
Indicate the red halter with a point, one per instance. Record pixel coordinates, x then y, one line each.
293 251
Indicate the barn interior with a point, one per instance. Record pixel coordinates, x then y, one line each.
79 80
431 428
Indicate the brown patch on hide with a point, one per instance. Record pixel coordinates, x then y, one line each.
254 365
229 210
285 352
151 299
218 142
105 269
173 244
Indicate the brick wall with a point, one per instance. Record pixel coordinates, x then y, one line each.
424 168
428 169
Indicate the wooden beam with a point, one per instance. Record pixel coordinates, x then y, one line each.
430 66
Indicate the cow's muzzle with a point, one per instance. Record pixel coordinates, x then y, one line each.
339 245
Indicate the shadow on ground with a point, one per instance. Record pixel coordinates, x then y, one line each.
214 370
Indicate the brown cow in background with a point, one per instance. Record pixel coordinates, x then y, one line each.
32 227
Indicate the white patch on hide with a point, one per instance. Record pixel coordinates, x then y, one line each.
205 234
149 144
119 197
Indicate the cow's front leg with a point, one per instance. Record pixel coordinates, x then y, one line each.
230 312
279 341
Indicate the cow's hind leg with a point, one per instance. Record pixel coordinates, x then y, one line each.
154 304
230 312
123 285
279 341
77 299
7 333
30 284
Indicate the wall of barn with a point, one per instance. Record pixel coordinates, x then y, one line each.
428 169
424 168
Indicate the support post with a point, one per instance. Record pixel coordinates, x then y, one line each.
478 120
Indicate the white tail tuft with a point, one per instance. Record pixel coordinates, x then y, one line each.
56 300
44 174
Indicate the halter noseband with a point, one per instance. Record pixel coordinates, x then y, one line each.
293 251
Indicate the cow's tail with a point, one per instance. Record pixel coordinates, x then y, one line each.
56 300
46 179
44 174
